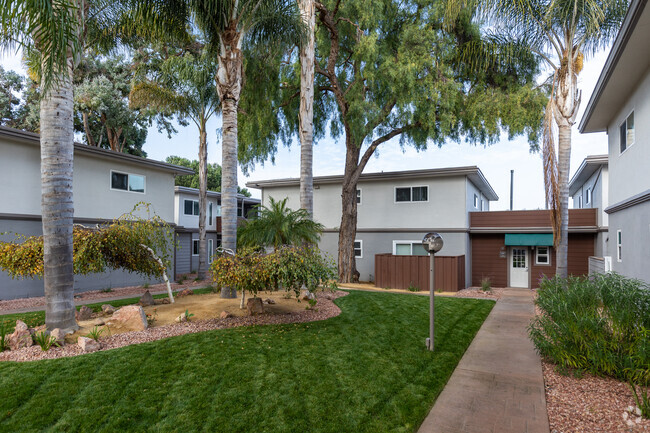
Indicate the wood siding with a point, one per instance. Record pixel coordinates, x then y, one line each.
486 260
530 218
401 272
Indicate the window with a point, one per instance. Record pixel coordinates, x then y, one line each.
588 198
475 201
412 193
619 246
210 213
580 201
127 182
358 196
210 249
543 256
482 205
627 132
358 249
195 247
409 248
191 207
239 210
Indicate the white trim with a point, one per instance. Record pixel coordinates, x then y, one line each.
193 201
619 245
589 194
627 145
359 196
411 187
405 241
548 254
360 248
198 242
110 181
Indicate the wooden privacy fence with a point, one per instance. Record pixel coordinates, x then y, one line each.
402 272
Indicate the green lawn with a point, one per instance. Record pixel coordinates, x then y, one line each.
366 370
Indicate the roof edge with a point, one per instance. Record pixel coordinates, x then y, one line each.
590 160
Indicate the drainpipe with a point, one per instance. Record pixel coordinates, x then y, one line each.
512 181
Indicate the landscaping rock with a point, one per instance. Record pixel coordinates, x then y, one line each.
182 318
185 292
98 322
38 329
161 301
328 297
254 306
88 344
307 295
269 301
108 309
21 337
131 317
59 335
225 315
84 313
146 299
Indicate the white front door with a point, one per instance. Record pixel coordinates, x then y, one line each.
519 267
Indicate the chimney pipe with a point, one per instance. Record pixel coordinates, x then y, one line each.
512 181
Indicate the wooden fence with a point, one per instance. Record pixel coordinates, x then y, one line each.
402 272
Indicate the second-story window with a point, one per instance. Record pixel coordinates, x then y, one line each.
191 207
358 196
475 201
127 182
210 213
627 132
588 199
411 194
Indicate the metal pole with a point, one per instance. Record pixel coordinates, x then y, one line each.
431 300
512 181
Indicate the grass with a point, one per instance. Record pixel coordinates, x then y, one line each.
37 318
366 370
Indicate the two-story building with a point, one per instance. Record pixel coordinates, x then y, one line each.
186 218
620 106
106 185
395 210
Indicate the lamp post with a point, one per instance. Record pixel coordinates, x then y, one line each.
432 242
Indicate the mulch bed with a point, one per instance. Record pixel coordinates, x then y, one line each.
324 309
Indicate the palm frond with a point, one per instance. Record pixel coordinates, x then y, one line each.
550 165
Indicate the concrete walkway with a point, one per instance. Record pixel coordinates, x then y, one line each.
498 385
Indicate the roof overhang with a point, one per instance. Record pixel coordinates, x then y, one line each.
473 173
97 152
627 63
214 194
588 167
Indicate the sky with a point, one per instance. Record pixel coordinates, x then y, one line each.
495 161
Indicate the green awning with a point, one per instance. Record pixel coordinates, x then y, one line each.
530 239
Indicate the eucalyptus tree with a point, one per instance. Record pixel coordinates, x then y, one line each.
229 26
306 113
56 33
278 225
389 72
559 33
183 84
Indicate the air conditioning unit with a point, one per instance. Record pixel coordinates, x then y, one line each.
608 263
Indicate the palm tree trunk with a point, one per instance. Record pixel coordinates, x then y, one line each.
203 196
564 159
229 80
306 114
57 151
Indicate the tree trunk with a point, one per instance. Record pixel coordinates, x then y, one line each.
229 79
57 150
203 197
564 159
89 136
348 229
306 114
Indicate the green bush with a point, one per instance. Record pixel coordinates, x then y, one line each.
486 284
600 324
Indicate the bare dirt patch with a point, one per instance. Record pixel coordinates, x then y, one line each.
477 292
284 313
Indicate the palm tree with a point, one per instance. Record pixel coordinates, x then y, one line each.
184 85
58 32
229 25
306 113
279 225
559 33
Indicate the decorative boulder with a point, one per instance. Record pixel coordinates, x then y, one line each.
307 295
225 315
21 337
161 301
108 309
84 313
269 301
146 299
88 344
59 335
254 306
182 318
185 292
130 317
98 322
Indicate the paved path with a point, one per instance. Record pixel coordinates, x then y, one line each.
498 385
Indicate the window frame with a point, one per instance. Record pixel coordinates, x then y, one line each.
360 248
410 187
359 197
620 136
547 254
475 201
580 201
589 196
406 241
128 184
209 213
196 242
619 246
197 206
210 251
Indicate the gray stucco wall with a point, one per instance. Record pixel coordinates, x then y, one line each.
22 288
634 223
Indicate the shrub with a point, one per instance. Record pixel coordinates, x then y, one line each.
95 333
4 331
413 288
600 324
486 284
45 340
